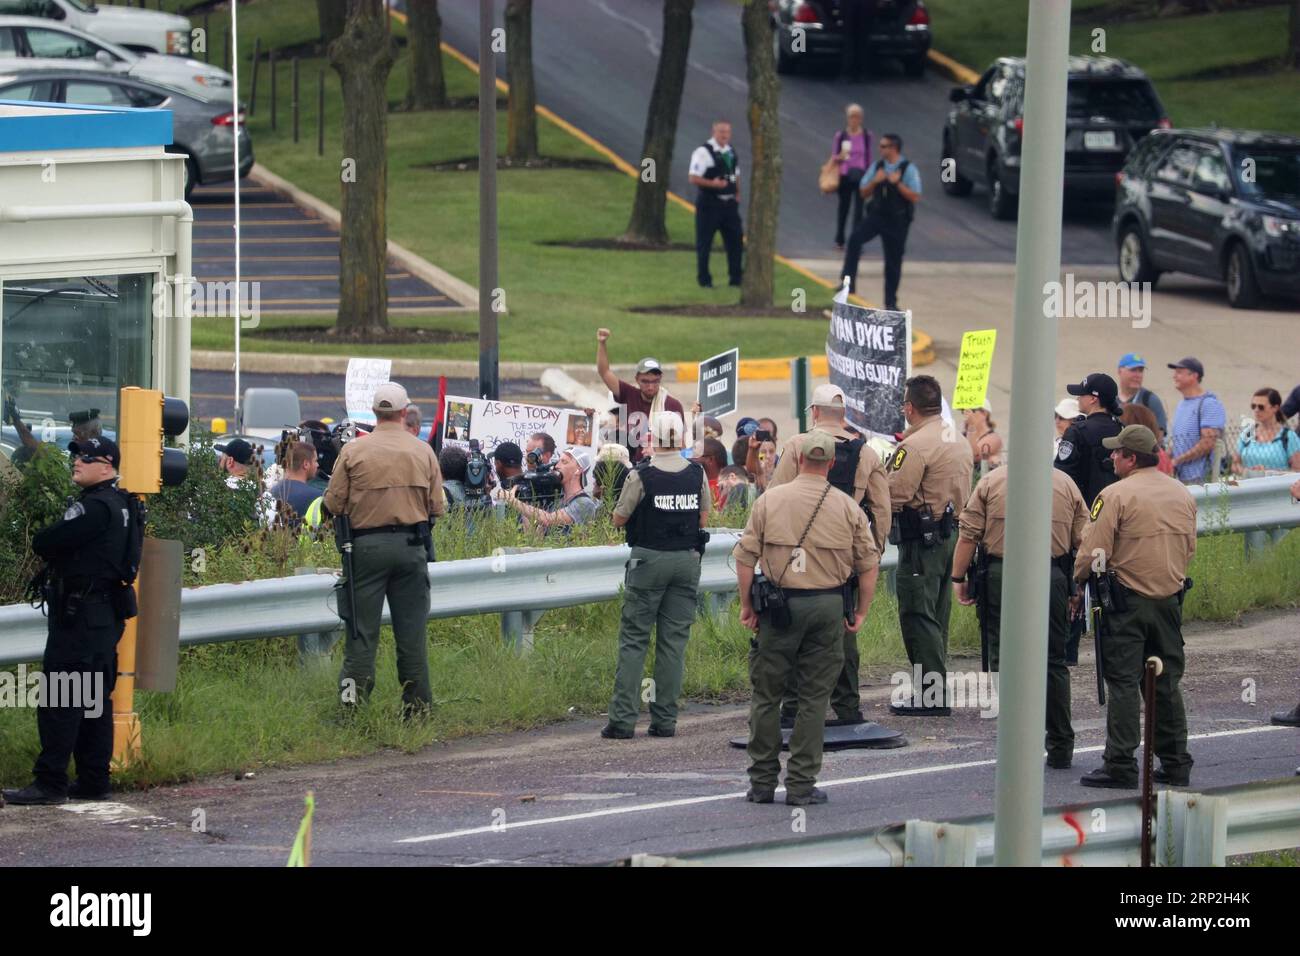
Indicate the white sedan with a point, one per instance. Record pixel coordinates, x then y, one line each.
27 42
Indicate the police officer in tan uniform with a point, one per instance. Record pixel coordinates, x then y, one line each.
983 522
390 487
808 540
1142 536
859 473
929 479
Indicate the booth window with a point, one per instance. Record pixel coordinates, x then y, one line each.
66 347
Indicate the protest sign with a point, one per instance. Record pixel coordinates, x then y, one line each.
869 354
364 376
491 423
719 381
973 368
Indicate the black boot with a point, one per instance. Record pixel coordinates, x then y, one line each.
34 795
1290 718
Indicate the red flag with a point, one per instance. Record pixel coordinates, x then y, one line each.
435 435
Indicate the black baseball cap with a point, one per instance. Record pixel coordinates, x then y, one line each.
238 449
98 448
508 453
1191 364
1099 384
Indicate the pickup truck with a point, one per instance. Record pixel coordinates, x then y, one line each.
137 29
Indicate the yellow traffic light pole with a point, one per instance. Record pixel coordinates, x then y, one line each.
145 418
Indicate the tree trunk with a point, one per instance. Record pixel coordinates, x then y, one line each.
1293 44
428 87
521 106
765 143
363 57
648 223
332 15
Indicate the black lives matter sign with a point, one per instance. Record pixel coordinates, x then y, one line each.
869 352
719 377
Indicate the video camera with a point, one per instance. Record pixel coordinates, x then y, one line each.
542 486
477 472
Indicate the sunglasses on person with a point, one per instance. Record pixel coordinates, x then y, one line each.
1258 408
90 459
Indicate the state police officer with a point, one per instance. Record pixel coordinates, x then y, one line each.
809 540
92 557
1143 535
1080 453
663 505
390 487
929 481
983 522
715 172
860 474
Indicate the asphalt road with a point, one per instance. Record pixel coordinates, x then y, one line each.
561 795
594 63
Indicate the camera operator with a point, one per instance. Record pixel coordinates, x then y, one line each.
508 463
292 495
574 506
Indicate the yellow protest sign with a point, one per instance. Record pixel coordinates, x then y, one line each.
973 368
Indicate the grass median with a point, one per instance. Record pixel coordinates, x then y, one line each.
555 295
1222 68
250 704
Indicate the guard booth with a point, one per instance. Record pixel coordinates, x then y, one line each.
94 232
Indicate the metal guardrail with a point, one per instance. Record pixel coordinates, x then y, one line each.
520 587
1191 829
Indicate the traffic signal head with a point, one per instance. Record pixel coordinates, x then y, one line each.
145 418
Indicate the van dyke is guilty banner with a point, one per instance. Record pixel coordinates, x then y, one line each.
869 354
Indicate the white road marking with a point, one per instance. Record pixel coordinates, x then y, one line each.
692 801
108 811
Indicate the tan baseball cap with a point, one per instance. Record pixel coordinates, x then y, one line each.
827 396
818 446
390 397
1134 438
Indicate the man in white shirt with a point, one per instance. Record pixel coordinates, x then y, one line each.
715 172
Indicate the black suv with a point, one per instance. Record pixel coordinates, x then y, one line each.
1218 203
1110 106
900 29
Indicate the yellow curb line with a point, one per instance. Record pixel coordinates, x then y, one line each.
920 356
956 71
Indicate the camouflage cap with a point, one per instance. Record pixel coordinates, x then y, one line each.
818 446
1133 438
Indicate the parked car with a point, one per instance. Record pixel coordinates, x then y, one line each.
1110 107
1223 204
900 29
27 42
202 127
138 29
266 412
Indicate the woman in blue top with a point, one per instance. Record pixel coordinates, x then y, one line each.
1269 446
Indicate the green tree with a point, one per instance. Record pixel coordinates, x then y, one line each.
428 87
765 143
649 222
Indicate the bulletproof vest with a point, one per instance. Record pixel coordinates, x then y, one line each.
668 516
887 202
114 555
845 469
720 170
1100 471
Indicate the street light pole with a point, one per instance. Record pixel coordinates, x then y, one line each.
488 349
1022 709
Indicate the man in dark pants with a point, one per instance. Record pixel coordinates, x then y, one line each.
983 522
92 556
892 188
390 486
1142 537
715 172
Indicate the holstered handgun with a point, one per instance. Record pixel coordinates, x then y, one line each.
701 542
768 598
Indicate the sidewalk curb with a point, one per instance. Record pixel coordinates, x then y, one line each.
283 363
464 294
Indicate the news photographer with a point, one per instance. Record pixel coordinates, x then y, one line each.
573 507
